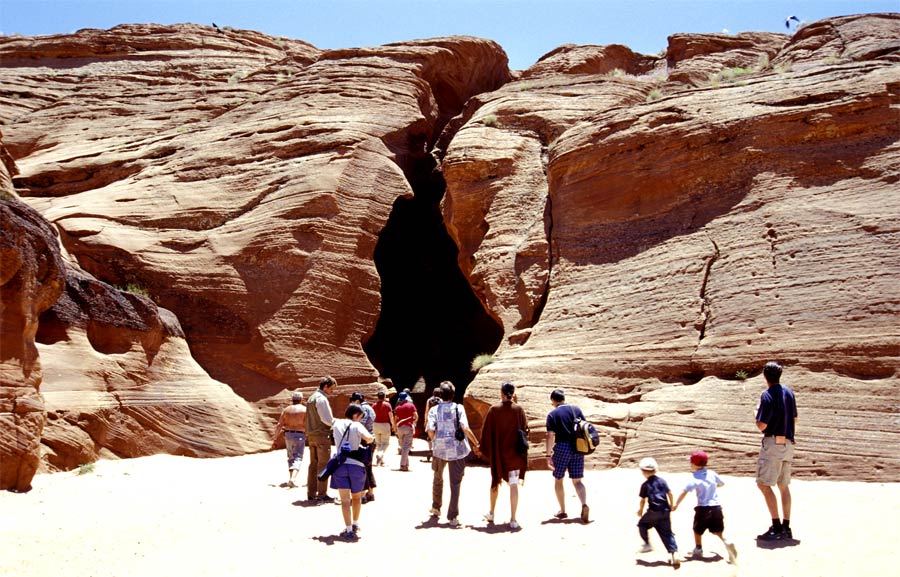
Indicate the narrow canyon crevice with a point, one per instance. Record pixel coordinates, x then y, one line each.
431 324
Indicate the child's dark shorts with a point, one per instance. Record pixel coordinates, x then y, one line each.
708 518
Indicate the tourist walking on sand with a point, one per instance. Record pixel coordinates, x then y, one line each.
292 423
561 453
384 426
350 476
656 495
448 429
432 401
776 418
406 417
708 512
319 421
367 421
499 442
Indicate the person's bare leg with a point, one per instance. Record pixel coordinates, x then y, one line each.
513 501
771 500
785 500
495 491
560 494
580 490
345 505
357 506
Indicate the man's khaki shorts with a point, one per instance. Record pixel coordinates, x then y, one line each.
774 464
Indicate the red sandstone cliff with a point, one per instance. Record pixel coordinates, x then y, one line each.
636 229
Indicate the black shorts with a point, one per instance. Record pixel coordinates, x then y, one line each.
710 518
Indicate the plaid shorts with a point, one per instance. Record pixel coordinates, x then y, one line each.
565 457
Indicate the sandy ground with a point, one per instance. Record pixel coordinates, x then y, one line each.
176 516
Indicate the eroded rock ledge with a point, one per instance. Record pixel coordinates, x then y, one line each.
644 231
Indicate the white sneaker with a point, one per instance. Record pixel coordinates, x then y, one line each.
645 548
455 523
732 553
489 517
513 526
697 552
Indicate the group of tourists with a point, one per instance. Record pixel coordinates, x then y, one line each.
363 435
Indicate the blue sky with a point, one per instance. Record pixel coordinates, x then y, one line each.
526 29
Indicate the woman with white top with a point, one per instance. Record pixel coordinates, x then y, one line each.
350 477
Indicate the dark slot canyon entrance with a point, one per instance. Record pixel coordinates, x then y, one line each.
431 324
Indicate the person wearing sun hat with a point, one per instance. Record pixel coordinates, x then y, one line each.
708 512
657 496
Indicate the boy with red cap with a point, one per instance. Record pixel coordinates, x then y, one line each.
708 512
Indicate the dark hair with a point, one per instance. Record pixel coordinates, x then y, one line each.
508 389
352 411
448 391
327 382
558 395
380 394
436 392
772 372
357 396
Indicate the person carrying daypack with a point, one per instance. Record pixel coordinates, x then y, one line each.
561 453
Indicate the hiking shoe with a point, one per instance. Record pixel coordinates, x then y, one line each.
697 552
772 534
645 548
561 515
349 536
732 553
434 512
787 534
676 562
489 517
455 523
585 511
355 528
513 526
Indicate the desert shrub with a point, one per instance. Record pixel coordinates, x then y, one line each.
237 77
741 375
134 289
481 361
86 468
491 120
654 94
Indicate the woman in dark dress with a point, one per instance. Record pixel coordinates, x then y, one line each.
499 444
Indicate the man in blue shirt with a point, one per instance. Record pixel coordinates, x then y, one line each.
776 418
561 453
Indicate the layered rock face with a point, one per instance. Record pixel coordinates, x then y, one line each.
31 279
674 237
642 231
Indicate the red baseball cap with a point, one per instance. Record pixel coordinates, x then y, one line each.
699 458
